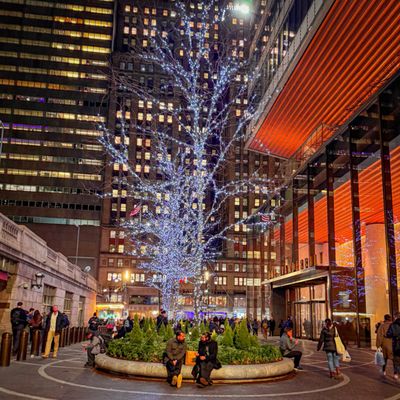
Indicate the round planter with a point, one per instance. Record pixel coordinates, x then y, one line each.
227 374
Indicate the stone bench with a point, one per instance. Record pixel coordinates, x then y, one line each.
227 374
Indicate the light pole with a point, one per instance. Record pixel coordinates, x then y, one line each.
77 243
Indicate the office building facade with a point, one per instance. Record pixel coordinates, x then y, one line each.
329 95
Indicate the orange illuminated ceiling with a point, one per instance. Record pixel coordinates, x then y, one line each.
371 205
355 50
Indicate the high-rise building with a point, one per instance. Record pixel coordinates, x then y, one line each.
53 90
329 94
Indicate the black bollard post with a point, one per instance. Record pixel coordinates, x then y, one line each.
76 337
44 341
72 336
5 352
82 333
67 337
23 346
35 348
62 338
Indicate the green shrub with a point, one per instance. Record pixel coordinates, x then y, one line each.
242 336
149 345
227 337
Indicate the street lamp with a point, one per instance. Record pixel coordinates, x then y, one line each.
38 280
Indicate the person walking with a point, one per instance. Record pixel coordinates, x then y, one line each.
383 342
206 359
327 339
255 327
175 354
54 323
394 333
271 324
18 320
287 345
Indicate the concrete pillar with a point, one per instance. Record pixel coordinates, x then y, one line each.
376 281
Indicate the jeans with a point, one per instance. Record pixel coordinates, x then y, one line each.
333 360
296 355
17 330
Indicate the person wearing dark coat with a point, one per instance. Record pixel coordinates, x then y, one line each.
162 319
394 333
327 339
54 324
271 324
19 321
206 358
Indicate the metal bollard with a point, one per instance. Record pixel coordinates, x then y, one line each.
23 346
35 348
67 337
62 338
76 338
5 352
72 335
82 333
44 341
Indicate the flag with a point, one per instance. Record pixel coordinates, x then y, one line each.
265 218
135 210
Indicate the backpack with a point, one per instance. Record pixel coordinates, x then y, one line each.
103 348
16 317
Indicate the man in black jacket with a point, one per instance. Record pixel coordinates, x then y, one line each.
18 322
394 333
207 358
54 323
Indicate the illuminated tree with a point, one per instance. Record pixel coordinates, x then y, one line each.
182 199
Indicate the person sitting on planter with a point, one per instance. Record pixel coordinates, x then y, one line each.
93 347
206 359
287 344
175 353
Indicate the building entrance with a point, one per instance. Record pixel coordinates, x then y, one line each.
309 318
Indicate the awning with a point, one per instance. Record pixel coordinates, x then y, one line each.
353 54
3 276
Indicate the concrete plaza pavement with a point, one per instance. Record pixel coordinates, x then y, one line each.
65 378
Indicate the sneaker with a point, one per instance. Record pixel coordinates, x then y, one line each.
298 368
179 381
174 380
210 382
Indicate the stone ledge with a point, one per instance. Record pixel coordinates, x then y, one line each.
228 373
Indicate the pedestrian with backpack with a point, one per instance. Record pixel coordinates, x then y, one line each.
19 321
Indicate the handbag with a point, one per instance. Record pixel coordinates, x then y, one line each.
346 356
340 349
379 358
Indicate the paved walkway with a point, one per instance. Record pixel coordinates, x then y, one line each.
65 378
